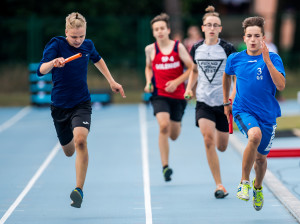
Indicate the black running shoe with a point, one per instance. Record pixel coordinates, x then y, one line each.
167 173
76 197
220 192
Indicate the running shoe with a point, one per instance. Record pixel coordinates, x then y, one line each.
76 197
167 172
243 190
258 197
220 192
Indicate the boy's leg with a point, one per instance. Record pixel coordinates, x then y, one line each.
81 121
69 148
175 130
82 157
163 119
207 129
161 107
222 139
260 167
254 137
81 164
248 125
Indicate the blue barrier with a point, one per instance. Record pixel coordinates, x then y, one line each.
146 97
41 99
40 87
101 98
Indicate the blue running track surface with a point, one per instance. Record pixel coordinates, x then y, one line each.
124 183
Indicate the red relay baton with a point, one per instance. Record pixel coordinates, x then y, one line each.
230 121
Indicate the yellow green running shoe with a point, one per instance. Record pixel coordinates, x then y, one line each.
258 197
243 190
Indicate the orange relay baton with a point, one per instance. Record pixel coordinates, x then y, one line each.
75 56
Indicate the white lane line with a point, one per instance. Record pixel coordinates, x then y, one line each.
30 183
14 119
274 184
146 176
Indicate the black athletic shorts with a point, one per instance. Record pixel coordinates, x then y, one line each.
215 114
175 107
66 119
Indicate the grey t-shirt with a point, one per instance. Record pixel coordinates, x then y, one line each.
211 62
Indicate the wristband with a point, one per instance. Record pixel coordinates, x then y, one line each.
226 104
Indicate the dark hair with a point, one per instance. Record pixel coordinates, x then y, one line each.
162 17
210 12
254 21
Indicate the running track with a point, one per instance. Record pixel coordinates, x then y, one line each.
124 182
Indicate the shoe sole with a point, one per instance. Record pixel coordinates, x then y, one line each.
168 175
257 208
244 199
76 199
220 194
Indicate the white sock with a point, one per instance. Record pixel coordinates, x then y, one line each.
246 182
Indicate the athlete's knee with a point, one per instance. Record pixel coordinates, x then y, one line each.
254 137
69 153
222 147
80 142
208 140
164 127
174 135
69 149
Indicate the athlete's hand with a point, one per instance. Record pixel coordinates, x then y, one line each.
149 88
117 88
228 111
171 86
265 52
58 62
188 94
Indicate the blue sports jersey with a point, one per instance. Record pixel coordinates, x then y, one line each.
255 90
69 82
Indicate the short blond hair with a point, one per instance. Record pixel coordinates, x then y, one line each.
75 20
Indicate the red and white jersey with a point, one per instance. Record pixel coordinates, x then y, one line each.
166 68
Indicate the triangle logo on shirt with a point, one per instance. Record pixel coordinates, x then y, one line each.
210 68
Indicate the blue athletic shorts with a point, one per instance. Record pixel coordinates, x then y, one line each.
246 121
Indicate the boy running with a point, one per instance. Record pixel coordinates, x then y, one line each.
165 60
71 102
255 109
